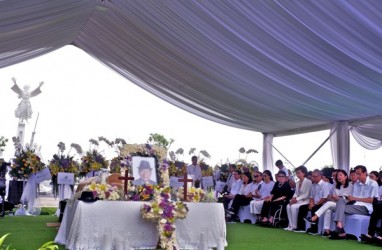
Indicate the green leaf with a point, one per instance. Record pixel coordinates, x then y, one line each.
3 238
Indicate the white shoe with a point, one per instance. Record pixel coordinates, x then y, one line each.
288 228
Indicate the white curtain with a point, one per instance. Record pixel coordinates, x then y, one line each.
268 152
368 136
339 142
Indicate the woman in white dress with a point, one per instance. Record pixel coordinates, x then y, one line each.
300 197
262 192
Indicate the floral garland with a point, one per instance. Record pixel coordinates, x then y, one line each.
104 191
25 163
144 149
93 161
164 211
193 194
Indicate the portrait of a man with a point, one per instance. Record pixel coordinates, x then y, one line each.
144 170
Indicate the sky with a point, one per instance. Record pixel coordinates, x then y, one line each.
83 99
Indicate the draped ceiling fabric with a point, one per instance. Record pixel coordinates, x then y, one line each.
276 67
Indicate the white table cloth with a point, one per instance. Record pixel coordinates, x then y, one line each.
84 225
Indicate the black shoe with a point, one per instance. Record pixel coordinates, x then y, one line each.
366 238
229 211
311 231
310 221
325 234
337 235
377 240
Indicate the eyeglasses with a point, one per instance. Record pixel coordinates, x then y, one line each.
280 176
256 176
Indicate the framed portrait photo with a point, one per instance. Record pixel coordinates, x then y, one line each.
144 170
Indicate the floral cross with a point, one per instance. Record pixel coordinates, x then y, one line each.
164 211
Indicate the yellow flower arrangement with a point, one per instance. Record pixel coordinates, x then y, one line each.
25 163
193 194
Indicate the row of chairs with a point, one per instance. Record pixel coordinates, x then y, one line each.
355 224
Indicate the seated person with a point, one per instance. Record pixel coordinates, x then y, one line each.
343 189
262 192
300 197
144 170
235 189
257 179
360 202
230 178
319 193
373 235
243 198
281 194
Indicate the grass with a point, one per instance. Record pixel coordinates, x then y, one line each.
247 236
30 232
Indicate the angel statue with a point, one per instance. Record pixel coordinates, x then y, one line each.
24 109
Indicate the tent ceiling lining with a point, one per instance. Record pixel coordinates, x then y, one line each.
276 67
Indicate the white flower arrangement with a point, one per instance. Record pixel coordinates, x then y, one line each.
104 191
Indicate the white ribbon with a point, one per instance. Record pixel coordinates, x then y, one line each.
30 194
64 192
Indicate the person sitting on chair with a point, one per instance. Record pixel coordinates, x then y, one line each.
343 189
280 194
243 198
144 174
234 190
319 193
300 197
262 192
360 202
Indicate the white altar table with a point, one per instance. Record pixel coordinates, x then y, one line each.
85 225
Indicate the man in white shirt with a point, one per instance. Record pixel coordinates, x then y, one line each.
235 188
361 202
319 193
195 171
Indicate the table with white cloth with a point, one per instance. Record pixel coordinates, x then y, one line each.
85 225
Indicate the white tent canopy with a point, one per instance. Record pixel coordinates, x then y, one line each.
276 67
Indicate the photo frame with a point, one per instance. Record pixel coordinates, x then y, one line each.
144 170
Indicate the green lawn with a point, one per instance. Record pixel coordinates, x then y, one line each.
30 232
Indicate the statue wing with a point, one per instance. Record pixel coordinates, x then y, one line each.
16 89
